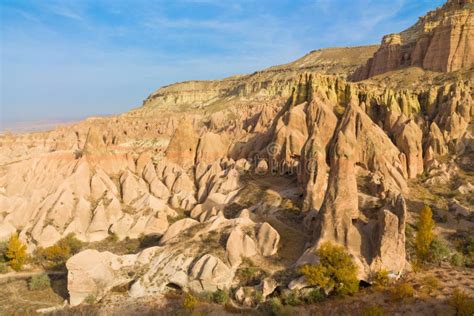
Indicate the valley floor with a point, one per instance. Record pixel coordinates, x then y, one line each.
16 299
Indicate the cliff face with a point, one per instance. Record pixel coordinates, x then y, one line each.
442 41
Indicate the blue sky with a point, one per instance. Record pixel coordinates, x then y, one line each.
66 59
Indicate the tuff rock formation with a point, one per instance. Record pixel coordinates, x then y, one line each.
259 168
440 41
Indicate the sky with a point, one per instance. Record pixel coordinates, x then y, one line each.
63 59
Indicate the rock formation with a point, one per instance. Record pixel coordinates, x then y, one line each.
259 168
440 41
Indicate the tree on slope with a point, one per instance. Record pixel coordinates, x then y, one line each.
424 234
16 253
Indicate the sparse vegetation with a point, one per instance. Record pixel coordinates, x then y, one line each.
381 278
3 251
314 296
39 282
275 307
55 257
189 301
16 253
90 299
430 283
374 310
458 259
249 274
3 267
220 297
291 298
463 304
464 243
335 271
439 251
402 291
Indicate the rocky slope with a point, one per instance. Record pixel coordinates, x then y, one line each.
179 168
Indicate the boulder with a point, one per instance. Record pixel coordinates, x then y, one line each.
267 240
176 228
238 246
210 274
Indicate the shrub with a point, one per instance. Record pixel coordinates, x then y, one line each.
72 242
16 253
381 278
259 297
90 299
314 296
373 310
439 251
220 297
39 282
189 301
277 308
3 267
424 235
291 298
3 251
463 304
402 291
112 237
431 283
458 260
335 270
250 276
56 256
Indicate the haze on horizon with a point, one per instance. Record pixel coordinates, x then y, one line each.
70 59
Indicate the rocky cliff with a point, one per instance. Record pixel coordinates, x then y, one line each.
441 41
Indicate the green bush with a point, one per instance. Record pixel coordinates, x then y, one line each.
458 260
291 298
463 304
39 282
465 245
314 296
335 270
250 276
220 297
439 251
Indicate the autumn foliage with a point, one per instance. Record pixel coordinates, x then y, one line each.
335 270
16 253
425 234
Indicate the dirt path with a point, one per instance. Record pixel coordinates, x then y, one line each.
26 274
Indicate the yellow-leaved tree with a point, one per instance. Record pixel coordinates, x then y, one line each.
424 234
336 270
16 253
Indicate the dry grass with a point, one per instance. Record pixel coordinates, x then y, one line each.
17 299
